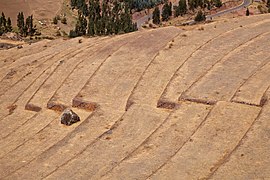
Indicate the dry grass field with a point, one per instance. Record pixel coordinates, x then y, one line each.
165 103
40 9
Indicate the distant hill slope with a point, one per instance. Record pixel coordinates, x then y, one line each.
39 8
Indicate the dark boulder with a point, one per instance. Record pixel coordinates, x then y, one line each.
69 117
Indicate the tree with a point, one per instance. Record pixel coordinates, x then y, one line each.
81 25
156 16
5 24
29 26
80 3
170 9
247 12
200 16
4 21
72 34
84 9
20 22
166 12
193 4
218 3
73 4
91 27
9 25
2 28
112 17
181 9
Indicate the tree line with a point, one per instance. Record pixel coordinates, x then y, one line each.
5 24
181 9
138 5
135 5
165 14
25 27
110 17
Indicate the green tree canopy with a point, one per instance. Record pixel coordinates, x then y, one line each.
156 16
200 16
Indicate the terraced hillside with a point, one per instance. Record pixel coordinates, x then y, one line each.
165 103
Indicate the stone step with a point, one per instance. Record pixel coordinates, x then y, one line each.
138 123
224 79
72 85
115 80
83 136
23 64
162 144
250 160
10 56
38 143
67 64
31 127
206 57
211 144
253 90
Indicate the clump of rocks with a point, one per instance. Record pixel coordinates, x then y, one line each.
69 117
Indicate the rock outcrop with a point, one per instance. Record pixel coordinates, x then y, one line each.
69 117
